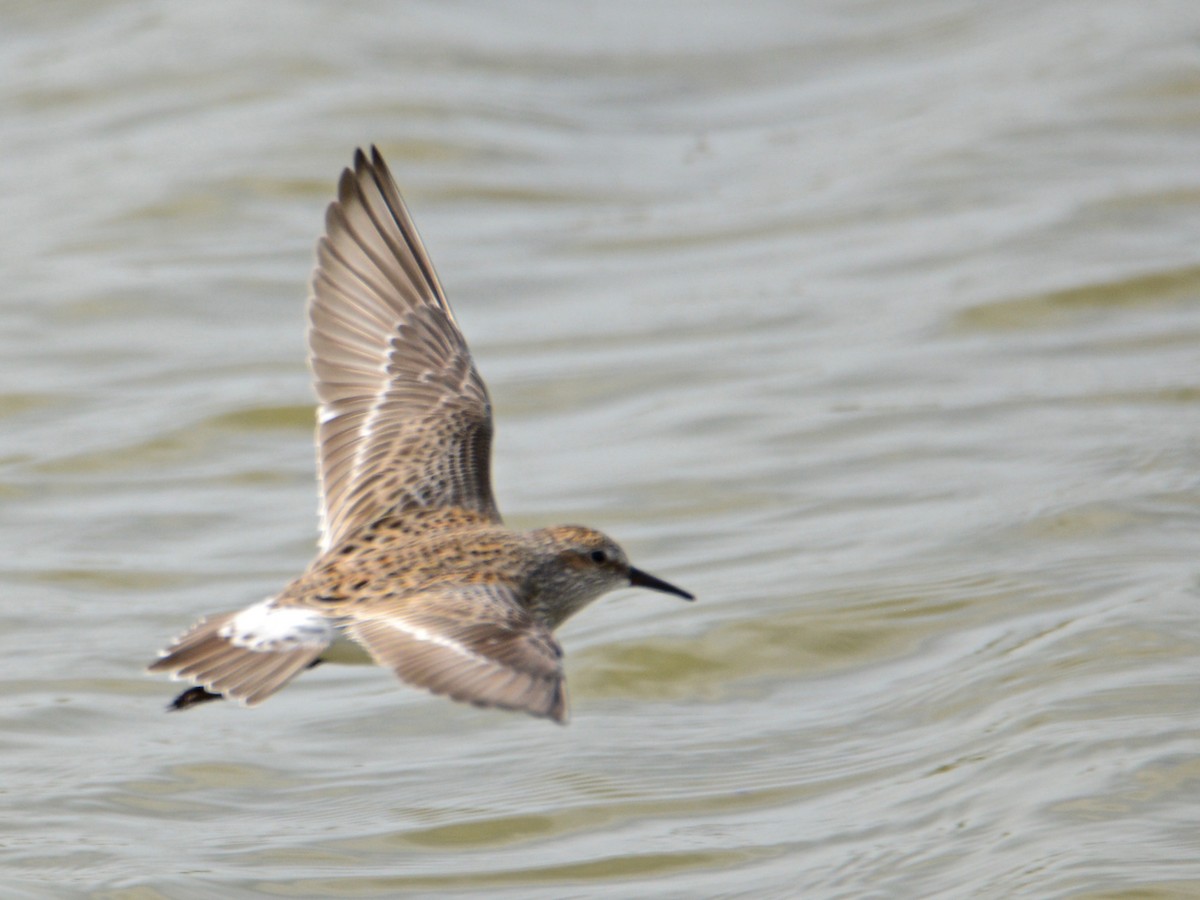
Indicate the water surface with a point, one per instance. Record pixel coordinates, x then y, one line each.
874 325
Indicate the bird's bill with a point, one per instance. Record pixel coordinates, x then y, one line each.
638 578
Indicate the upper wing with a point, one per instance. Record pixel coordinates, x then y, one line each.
404 419
470 642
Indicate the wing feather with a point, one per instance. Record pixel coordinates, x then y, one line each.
473 643
404 420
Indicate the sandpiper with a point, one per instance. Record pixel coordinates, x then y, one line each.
414 566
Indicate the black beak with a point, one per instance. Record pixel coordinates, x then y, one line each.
638 578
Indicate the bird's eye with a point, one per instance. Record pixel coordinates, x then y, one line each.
599 556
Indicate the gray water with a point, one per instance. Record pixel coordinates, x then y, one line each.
876 325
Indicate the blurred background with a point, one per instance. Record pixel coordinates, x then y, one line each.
875 325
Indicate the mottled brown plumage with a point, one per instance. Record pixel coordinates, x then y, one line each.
416 568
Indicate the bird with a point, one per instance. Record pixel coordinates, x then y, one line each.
415 569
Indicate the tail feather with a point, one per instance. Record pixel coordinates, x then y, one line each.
221 662
220 657
225 672
260 685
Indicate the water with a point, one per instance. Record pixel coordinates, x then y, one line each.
874 325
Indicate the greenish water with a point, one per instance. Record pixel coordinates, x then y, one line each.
875 325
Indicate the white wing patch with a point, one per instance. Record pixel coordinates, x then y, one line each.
267 628
432 637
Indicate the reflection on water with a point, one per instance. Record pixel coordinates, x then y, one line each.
874 326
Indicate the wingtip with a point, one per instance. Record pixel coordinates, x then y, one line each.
347 188
369 159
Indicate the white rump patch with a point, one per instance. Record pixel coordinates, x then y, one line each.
267 628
